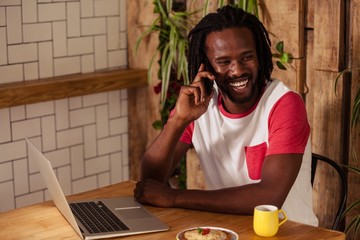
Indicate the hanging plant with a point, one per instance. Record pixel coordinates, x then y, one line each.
172 27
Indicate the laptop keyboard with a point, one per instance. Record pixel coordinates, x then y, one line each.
96 217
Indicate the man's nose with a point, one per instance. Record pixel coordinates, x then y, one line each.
236 68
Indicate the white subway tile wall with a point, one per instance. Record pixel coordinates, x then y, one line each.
85 137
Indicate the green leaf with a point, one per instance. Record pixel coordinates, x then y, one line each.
357 225
353 168
157 125
356 107
284 58
252 7
356 110
280 47
280 65
338 77
152 28
169 5
355 222
220 4
350 207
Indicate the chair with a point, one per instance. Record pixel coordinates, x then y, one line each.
343 182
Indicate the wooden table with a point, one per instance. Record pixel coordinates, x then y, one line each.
44 221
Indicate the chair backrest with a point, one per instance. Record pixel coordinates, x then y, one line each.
343 188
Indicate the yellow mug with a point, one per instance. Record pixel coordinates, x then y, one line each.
266 220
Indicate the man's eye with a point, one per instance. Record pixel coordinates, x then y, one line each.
248 57
225 62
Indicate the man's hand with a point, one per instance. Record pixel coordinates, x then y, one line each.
193 99
155 193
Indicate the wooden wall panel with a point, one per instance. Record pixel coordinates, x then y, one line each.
325 116
354 146
143 104
195 179
294 76
285 22
309 15
328 36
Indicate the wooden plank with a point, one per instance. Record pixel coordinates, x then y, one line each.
294 76
324 110
354 146
285 21
143 103
280 15
13 94
325 117
195 176
309 14
328 36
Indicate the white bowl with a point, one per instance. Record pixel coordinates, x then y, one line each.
234 235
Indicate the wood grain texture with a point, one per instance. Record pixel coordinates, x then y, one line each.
143 103
285 22
294 76
309 14
195 176
290 30
354 146
329 26
325 115
44 221
14 94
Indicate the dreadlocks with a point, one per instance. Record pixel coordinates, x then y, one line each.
229 17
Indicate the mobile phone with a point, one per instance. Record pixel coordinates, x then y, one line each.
207 82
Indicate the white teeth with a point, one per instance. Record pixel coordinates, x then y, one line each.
239 84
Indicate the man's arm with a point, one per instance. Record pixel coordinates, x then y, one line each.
278 175
163 155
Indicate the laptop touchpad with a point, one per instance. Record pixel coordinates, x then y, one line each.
133 213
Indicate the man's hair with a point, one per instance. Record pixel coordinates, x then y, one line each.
229 17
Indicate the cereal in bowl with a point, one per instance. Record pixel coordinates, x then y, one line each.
206 234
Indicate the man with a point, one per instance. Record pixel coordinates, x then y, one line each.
250 132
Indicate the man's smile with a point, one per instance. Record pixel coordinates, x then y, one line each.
239 85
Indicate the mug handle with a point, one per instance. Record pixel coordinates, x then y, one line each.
285 217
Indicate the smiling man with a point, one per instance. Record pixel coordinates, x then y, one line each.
250 131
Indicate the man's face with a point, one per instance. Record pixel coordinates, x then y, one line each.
232 54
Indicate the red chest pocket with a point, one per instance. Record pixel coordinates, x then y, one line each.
254 159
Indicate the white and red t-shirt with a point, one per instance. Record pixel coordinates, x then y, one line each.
232 147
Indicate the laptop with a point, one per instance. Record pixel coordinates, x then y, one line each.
97 218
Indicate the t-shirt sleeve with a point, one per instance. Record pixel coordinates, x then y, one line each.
186 137
289 127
